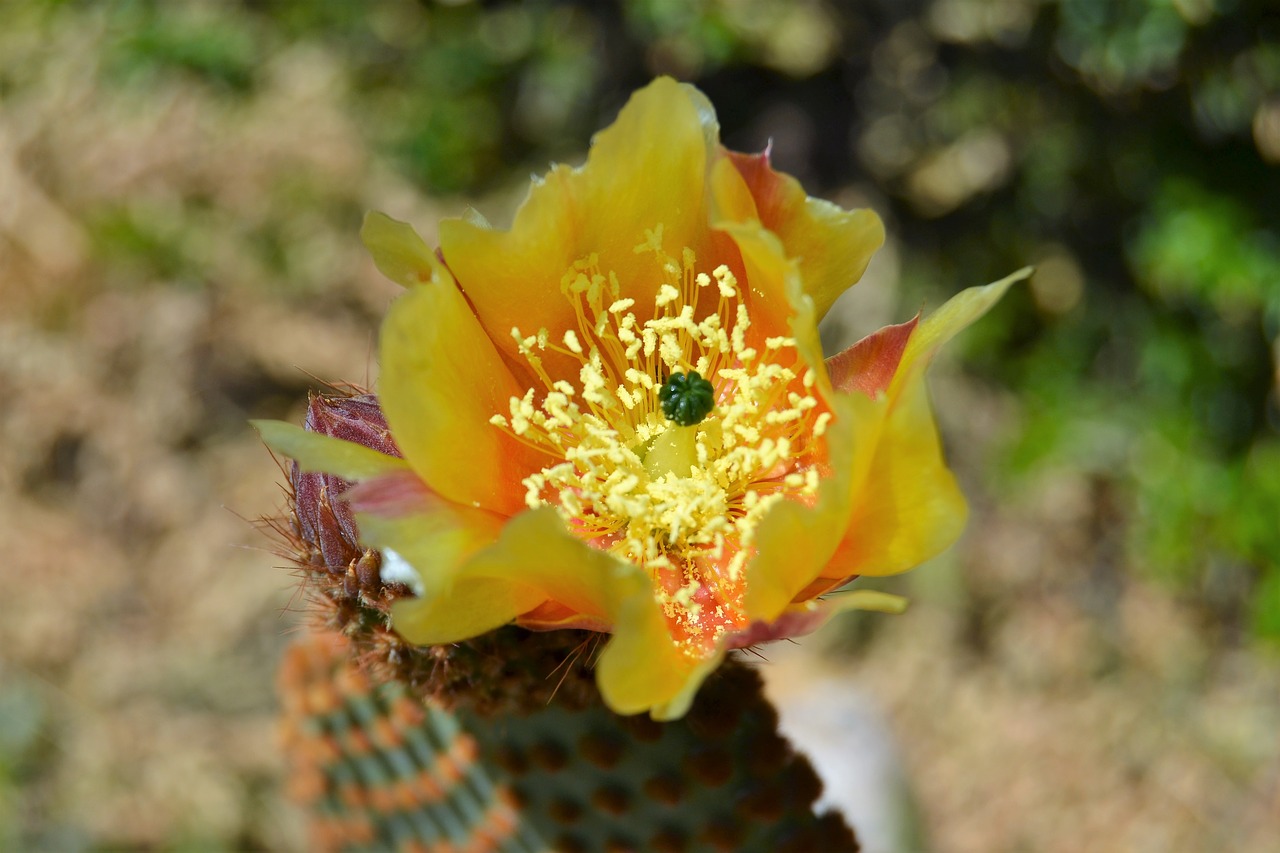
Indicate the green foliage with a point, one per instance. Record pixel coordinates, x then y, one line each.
24 738
220 50
1209 248
1118 44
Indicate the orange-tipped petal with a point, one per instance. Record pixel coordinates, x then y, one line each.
808 616
870 365
442 381
778 304
776 293
953 317
773 286
908 507
833 245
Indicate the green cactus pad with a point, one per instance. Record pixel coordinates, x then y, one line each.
380 770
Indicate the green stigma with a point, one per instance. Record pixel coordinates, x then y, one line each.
687 399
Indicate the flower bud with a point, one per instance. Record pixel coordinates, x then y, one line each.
325 521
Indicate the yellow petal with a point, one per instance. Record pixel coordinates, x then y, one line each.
438 542
645 171
537 550
678 705
832 245
956 314
642 669
772 282
315 452
909 507
397 250
794 542
641 666
471 607
442 380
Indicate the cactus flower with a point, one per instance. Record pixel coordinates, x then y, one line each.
616 415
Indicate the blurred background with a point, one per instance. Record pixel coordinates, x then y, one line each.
1096 665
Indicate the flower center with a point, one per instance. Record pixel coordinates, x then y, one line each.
687 399
675 473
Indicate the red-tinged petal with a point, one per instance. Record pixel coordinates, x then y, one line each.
807 617
768 271
870 365
907 506
953 317
833 245
442 381
646 171
819 587
554 616
392 495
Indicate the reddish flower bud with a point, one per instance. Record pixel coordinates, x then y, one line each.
325 521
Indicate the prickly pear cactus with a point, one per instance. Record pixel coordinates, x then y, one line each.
718 779
502 743
379 769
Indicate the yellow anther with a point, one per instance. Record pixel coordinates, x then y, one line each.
726 281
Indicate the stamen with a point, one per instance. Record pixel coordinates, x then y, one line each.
674 475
